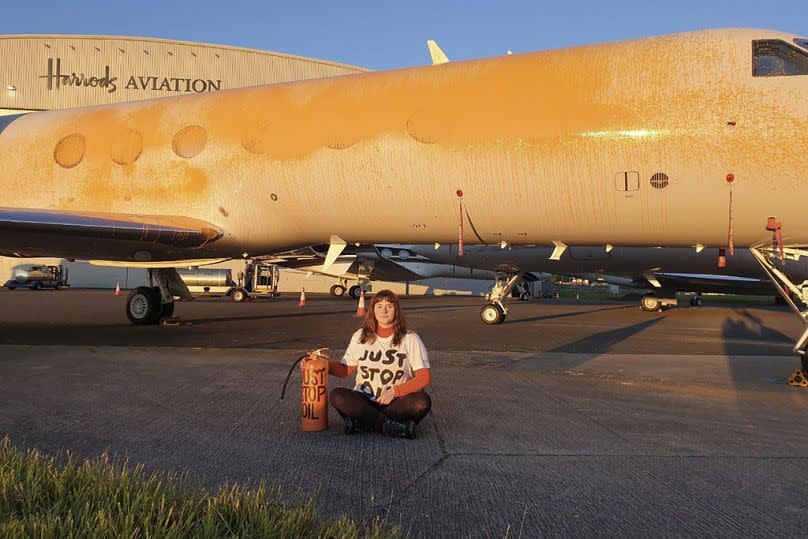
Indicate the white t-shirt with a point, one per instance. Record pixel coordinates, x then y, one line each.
380 365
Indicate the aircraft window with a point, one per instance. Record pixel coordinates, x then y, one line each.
801 42
776 58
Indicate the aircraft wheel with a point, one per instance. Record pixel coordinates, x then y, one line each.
650 303
239 295
355 291
337 290
697 301
143 306
491 314
525 296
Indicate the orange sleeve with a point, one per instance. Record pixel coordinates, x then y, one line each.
340 370
421 379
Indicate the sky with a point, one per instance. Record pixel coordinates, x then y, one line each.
384 34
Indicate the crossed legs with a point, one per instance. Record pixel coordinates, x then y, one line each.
371 415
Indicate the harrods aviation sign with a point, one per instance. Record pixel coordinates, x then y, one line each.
58 79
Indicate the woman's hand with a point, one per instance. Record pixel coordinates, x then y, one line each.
387 396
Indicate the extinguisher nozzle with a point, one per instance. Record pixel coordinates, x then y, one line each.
291 370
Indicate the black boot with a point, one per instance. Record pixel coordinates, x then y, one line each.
399 429
351 425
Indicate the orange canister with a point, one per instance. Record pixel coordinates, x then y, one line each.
314 394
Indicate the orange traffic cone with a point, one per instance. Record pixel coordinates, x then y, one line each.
302 298
118 288
360 310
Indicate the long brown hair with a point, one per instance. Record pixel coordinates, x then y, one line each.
369 324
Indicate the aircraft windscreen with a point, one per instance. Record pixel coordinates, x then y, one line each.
777 58
802 42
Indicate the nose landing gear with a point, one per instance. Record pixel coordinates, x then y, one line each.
494 313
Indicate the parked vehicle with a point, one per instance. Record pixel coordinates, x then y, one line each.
38 277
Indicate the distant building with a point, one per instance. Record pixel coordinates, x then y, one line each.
44 72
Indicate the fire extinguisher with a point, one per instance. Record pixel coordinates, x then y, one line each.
314 390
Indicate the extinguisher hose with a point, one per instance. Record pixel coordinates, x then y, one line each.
286 382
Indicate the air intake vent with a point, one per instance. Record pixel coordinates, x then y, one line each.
659 180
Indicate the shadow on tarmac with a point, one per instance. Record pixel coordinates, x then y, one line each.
601 343
566 315
749 328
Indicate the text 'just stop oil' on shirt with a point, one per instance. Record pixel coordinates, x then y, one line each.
380 365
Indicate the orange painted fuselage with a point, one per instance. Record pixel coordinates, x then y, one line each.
538 143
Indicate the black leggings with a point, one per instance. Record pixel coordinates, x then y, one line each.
371 415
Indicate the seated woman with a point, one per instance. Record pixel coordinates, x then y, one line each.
392 369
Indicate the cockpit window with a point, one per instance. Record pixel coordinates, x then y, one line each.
801 42
776 58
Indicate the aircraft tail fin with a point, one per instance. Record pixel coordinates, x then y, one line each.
438 57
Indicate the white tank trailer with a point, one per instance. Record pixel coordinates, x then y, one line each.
257 280
38 277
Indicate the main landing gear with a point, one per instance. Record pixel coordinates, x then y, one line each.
150 304
494 313
789 292
338 290
652 303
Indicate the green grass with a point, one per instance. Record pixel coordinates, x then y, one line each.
42 496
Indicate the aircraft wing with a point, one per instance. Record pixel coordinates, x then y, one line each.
365 263
82 235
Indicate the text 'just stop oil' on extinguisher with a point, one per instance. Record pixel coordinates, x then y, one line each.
314 389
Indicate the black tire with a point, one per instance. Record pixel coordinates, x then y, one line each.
525 296
650 303
239 295
143 306
491 314
337 290
355 291
698 302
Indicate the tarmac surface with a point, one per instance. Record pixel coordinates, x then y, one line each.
569 419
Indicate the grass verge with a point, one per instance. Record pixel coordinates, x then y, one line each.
42 496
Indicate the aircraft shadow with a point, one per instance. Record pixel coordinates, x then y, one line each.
601 343
565 315
747 337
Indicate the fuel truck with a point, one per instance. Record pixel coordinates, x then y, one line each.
256 281
38 278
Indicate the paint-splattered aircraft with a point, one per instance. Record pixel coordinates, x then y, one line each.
682 140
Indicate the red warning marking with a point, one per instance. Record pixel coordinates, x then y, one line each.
460 233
